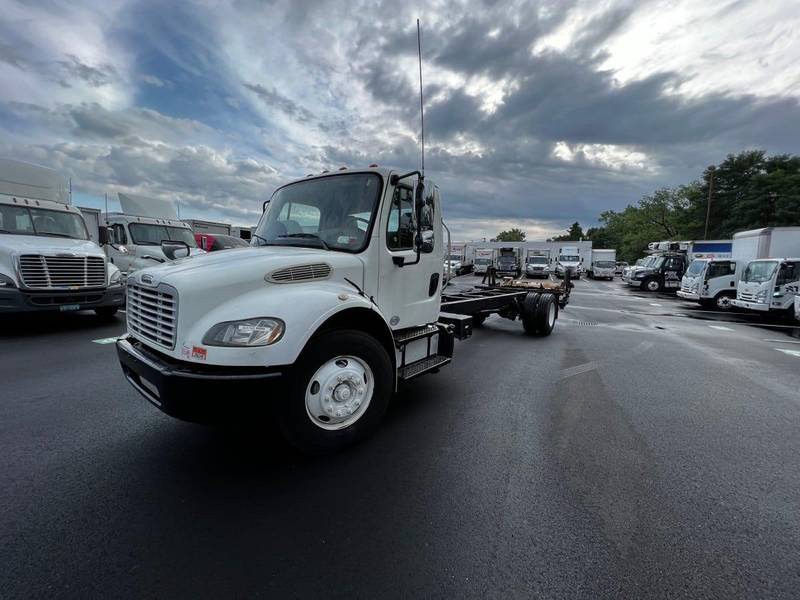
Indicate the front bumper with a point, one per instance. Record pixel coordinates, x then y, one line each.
198 393
688 295
634 282
18 301
757 306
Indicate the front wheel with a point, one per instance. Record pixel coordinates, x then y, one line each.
652 285
338 392
723 301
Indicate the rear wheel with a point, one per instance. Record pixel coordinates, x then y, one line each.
338 393
546 314
529 312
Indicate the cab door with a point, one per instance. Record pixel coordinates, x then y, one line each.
409 291
118 252
673 272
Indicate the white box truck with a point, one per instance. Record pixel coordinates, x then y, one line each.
568 261
603 264
770 282
537 263
146 232
484 259
315 332
460 258
47 260
712 276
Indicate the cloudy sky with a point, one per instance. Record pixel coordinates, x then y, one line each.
538 113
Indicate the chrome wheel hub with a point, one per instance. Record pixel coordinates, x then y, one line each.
339 392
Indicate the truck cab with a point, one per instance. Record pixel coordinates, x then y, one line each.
135 237
603 264
314 325
711 282
508 262
47 261
484 259
769 284
663 271
569 261
537 264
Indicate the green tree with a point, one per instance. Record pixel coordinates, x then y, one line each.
511 235
574 234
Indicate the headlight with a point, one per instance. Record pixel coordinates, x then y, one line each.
7 282
115 277
761 296
261 331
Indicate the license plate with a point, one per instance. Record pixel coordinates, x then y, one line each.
69 307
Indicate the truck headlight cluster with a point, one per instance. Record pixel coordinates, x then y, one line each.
261 331
761 296
115 277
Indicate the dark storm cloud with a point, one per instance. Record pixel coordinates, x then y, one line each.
274 99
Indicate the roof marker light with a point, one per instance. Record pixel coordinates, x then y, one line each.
373 166
343 168
326 171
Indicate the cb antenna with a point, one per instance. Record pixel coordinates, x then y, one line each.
421 110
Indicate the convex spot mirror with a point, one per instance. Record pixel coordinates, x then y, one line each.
175 249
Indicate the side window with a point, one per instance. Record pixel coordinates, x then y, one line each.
119 234
721 269
673 263
789 272
400 228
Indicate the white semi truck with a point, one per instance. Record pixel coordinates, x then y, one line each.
47 261
771 281
603 264
485 258
537 263
568 261
338 300
146 232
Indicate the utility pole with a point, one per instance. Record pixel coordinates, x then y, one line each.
708 204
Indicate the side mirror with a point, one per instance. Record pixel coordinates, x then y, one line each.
174 249
427 242
103 235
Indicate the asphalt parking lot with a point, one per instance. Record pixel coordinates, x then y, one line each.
648 448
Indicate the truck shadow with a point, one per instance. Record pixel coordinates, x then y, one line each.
38 324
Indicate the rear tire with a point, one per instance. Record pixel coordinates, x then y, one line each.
529 312
546 314
311 382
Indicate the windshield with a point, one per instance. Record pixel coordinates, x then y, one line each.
25 220
506 259
605 264
146 234
759 272
656 262
454 257
696 268
338 211
483 261
537 260
568 258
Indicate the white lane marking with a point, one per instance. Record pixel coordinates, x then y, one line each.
721 328
782 341
795 353
109 340
655 304
578 369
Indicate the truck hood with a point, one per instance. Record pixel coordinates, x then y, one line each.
42 244
239 270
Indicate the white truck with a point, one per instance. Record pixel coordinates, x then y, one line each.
460 258
47 261
484 259
770 282
537 263
146 232
568 261
603 264
712 276
338 300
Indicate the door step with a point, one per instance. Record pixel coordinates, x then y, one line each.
416 333
423 366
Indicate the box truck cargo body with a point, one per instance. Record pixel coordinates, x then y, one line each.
771 280
484 258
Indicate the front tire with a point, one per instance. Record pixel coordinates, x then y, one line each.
338 392
723 301
651 285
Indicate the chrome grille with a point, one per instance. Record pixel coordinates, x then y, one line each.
747 297
67 272
152 314
300 273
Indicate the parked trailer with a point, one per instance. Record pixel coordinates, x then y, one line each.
770 282
602 265
315 331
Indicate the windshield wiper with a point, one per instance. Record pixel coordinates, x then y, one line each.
53 234
263 239
308 236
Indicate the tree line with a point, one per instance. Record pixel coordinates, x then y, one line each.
745 191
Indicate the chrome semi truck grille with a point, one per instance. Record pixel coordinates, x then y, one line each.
152 314
62 272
